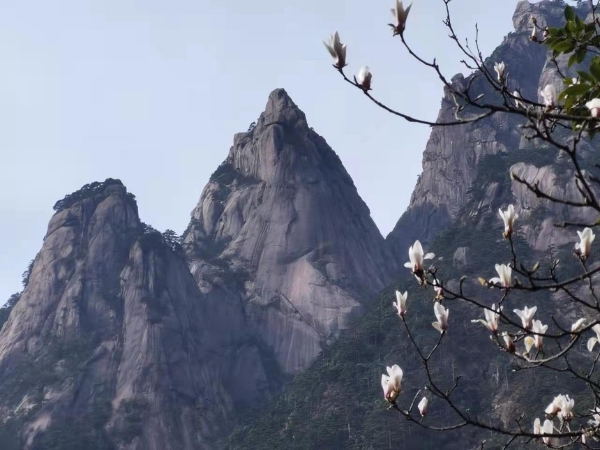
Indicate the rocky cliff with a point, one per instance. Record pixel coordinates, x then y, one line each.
111 344
452 155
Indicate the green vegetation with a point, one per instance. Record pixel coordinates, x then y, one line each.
89 191
7 308
131 413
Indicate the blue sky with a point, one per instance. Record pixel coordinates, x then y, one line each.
151 92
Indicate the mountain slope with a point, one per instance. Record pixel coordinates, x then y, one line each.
452 155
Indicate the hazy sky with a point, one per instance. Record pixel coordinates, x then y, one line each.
152 91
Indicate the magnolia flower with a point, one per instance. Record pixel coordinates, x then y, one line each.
441 314
526 314
549 96
517 96
423 406
415 254
508 340
400 303
504 278
533 36
364 78
392 384
577 326
595 417
594 106
537 327
439 291
566 409
400 14
548 428
583 247
337 50
529 341
553 408
499 68
537 427
592 342
491 318
562 405
509 216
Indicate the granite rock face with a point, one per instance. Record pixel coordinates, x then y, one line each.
282 209
112 344
451 160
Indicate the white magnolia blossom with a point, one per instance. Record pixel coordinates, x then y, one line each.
499 68
595 421
441 314
337 50
533 36
537 327
517 96
400 14
566 410
554 407
439 291
491 318
561 405
594 106
415 254
509 216
508 340
529 341
423 406
392 383
537 426
549 95
577 326
584 246
592 341
548 428
364 78
400 303
504 275
526 314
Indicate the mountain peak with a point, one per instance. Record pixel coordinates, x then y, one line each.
279 100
